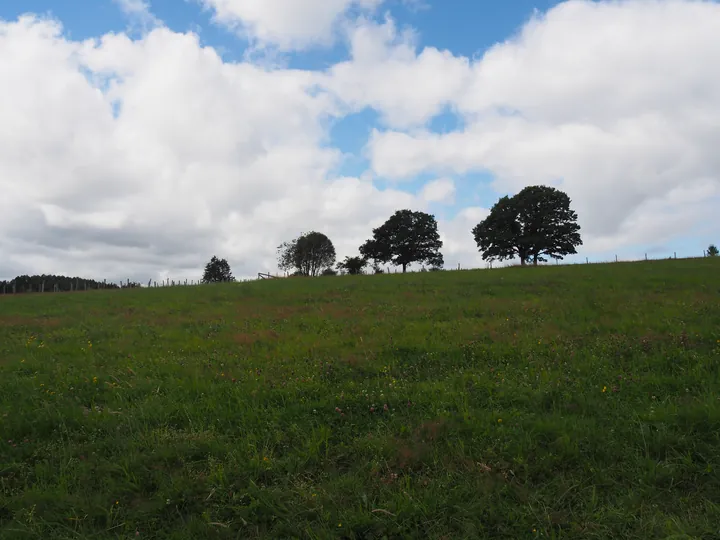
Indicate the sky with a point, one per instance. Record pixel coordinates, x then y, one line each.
138 138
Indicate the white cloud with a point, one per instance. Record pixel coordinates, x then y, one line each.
287 24
441 190
386 73
140 158
139 12
458 243
615 102
125 158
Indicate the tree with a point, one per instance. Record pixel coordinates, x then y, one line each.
307 254
712 250
51 283
405 238
217 271
329 272
535 223
353 265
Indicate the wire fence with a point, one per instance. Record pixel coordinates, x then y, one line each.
614 259
43 284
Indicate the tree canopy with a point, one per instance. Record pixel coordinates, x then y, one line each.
217 271
535 223
712 250
51 283
353 265
405 238
307 255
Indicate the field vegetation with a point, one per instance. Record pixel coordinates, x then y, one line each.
549 402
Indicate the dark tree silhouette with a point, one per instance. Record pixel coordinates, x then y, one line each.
217 271
535 223
405 238
51 283
712 250
306 255
353 265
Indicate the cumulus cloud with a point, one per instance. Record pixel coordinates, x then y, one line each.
441 190
458 244
386 73
614 102
140 158
139 12
287 24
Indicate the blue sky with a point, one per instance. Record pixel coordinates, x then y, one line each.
593 114
467 27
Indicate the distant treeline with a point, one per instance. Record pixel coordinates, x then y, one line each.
45 283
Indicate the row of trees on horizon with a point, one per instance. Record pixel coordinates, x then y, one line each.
532 225
52 283
535 224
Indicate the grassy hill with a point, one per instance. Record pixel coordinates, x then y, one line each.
556 402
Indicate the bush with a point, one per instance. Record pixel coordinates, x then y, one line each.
353 265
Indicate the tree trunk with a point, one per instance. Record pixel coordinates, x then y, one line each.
522 261
404 267
535 260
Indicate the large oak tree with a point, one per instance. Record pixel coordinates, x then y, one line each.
535 223
405 238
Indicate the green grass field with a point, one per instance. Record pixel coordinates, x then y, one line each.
554 402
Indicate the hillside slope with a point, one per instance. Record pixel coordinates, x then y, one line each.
578 401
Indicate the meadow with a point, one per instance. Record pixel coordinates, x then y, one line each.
552 402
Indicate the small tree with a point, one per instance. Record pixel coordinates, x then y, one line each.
217 271
405 238
307 254
712 250
536 222
353 265
329 272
